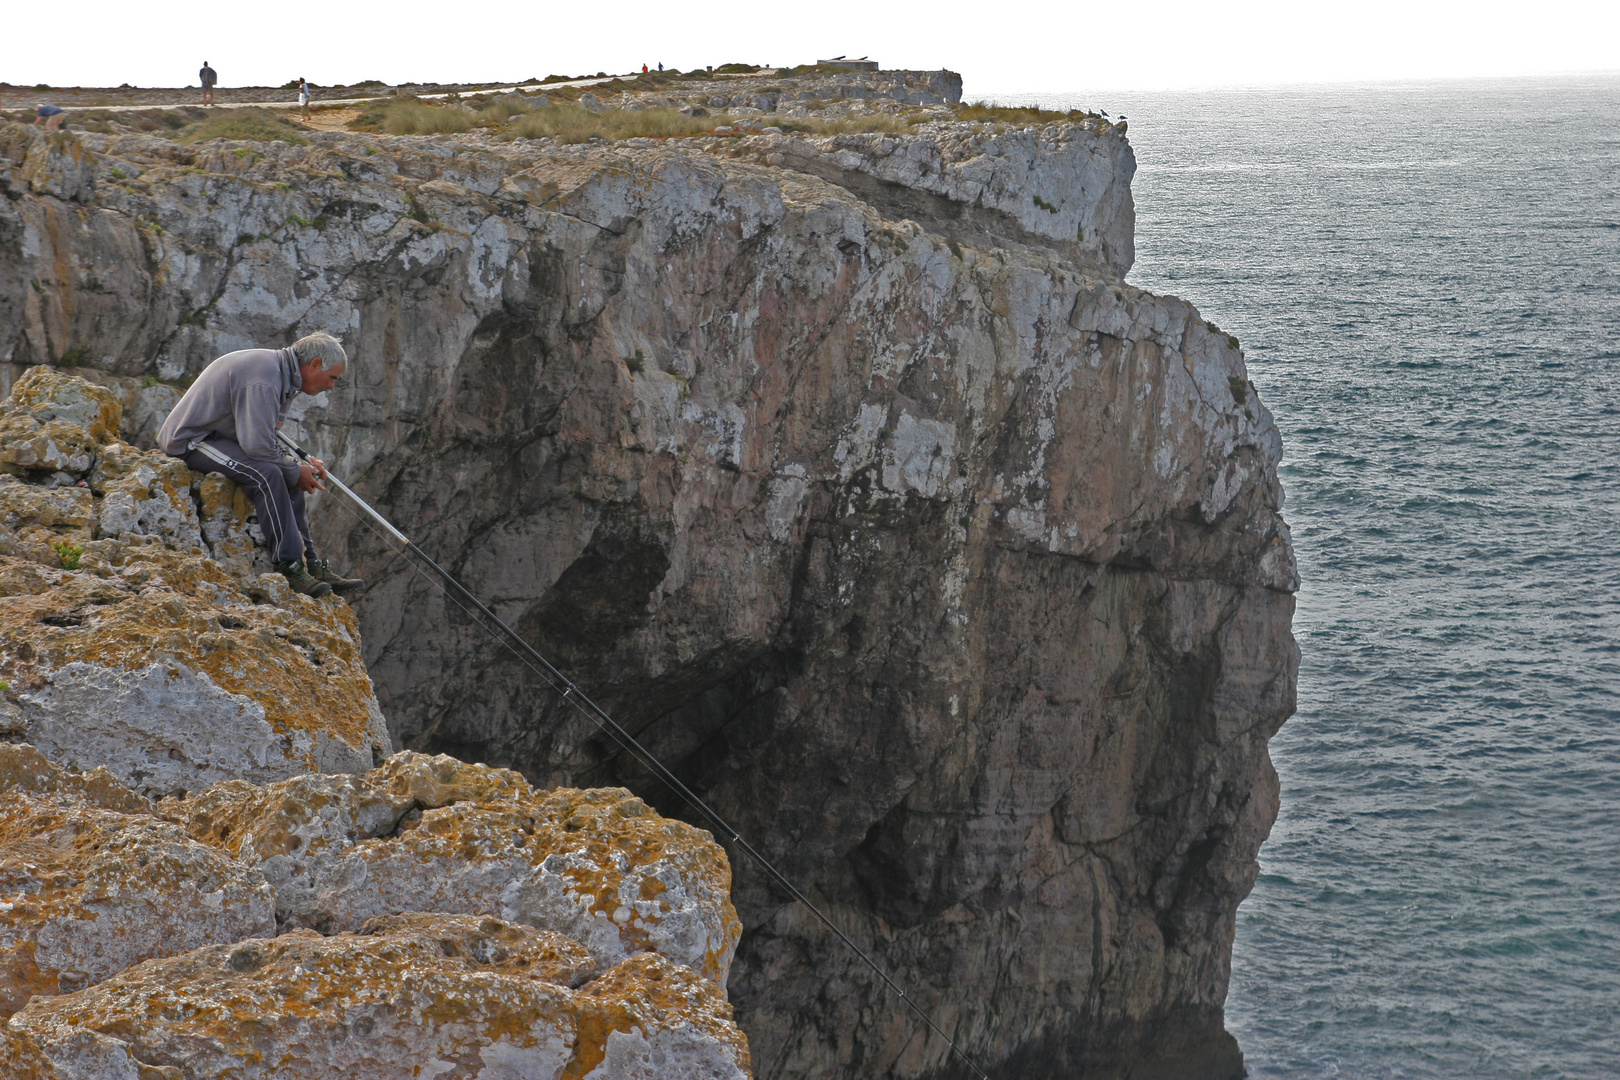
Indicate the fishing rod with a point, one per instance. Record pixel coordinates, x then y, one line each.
599 716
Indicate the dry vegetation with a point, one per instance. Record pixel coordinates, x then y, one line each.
853 125
248 125
1016 114
413 116
570 123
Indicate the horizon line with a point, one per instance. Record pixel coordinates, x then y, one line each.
1318 84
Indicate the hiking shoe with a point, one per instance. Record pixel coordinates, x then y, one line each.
321 570
301 580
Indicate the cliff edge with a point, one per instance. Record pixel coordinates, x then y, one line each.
203 875
844 466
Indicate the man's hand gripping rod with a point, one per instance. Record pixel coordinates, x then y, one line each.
348 493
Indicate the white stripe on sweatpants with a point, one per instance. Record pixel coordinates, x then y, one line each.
223 459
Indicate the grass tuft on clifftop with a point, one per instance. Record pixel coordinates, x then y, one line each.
1016 114
570 123
853 125
414 117
246 125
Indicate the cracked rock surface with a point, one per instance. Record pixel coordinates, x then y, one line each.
127 644
473 926
439 995
465 922
859 484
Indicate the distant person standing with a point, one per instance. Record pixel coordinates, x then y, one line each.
208 76
303 98
50 117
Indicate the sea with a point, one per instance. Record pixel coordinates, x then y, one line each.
1425 278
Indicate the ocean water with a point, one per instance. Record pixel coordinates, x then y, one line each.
1426 282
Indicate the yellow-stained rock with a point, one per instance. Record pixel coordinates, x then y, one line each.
53 422
91 883
24 770
33 519
224 512
425 995
436 834
130 646
159 665
146 493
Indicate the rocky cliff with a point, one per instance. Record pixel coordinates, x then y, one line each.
846 469
282 909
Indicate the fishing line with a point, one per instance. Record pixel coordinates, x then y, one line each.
561 684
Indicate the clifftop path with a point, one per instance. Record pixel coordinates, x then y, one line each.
829 448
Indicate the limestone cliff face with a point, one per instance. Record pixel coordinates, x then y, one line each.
847 471
460 921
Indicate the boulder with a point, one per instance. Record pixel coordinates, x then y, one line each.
435 834
174 675
424 995
93 883
55 423
129 646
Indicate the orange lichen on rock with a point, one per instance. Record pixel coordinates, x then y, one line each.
479 927
437 834
132 647
55 423
161 666
25 770
438 995
91 883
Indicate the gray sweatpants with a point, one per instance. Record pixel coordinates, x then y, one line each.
283 517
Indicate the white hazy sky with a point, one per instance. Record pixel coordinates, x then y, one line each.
1031 45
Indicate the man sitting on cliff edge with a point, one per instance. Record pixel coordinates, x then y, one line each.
226 423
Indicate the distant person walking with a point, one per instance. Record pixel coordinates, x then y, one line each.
208 77
50 117
303 98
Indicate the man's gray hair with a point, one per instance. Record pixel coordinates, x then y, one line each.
320 346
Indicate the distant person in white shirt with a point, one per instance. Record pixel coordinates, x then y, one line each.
303 98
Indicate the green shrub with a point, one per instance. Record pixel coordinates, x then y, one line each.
736 69
69 553
245 125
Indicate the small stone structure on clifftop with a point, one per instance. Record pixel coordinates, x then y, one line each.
203 875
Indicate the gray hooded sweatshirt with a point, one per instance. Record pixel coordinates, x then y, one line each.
242 396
